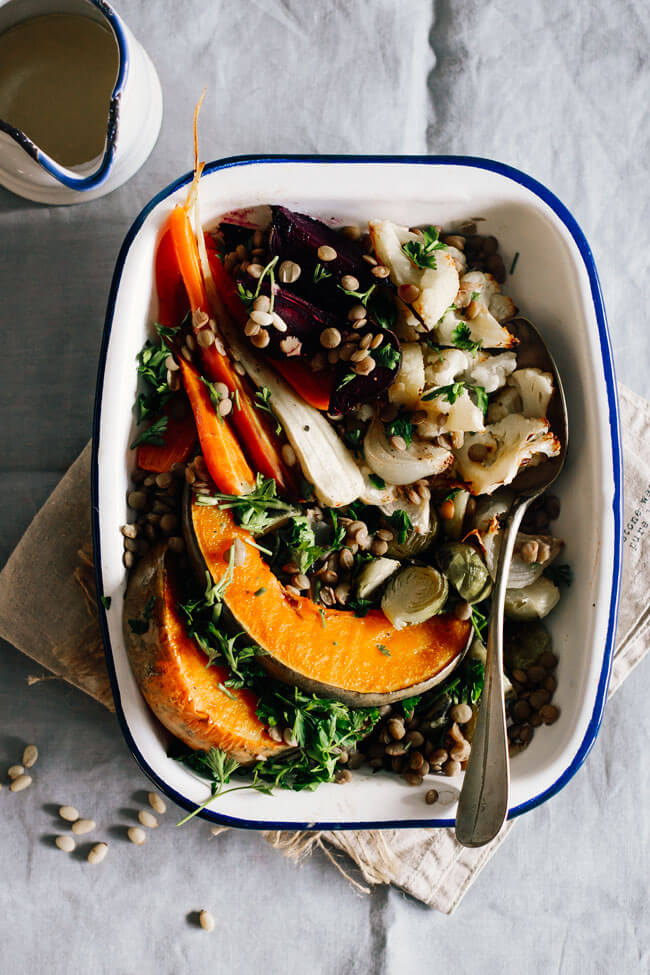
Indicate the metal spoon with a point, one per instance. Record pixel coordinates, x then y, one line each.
483 803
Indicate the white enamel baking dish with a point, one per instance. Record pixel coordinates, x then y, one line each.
556 285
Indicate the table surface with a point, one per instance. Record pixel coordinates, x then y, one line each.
560 90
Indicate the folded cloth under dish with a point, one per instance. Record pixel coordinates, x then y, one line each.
58 629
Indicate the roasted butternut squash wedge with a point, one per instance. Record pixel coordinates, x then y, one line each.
362 662
171 671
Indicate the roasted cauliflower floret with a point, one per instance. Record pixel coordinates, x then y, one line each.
492 458
535 389
437 284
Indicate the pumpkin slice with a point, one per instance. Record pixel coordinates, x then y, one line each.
171 671
362 662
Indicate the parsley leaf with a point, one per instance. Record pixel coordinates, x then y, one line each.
263 402
402 524
462 339
152 368
361 296
409 705
105 601
383 650
247 296
422 254
454 390
349 376
153 434
256 510
387 356
479 622
140 625
321 273
360 606
402 427
377 481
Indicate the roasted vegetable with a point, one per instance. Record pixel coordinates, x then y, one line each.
465 570
414 595
374 575
402 466
488 460
298 237
188 697
351 387
454 526
535 389
420 260
408 385
415 541
222 454
326 462
360 661
178 439
540 551
533 602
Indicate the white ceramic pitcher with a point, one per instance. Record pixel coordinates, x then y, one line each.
134 114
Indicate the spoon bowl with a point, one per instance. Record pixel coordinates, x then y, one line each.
483 803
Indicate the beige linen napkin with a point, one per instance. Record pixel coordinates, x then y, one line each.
62 634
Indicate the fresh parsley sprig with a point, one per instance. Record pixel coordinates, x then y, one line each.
153 434
321 273
423 254
454 390
361 296
256 510
263 402
402 427
462 339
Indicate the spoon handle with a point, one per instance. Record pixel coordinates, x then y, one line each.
483 803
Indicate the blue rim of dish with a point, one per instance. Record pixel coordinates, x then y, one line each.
580 240
61 173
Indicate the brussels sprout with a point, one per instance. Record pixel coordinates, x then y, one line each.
533 602
414 595
524 643
415 542
454 526
466 571
374 574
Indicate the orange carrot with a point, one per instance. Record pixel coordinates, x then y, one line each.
222 454
187 256
172 299
258 443
179 439
314 387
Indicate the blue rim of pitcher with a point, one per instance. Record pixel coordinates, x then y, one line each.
600 697
62 174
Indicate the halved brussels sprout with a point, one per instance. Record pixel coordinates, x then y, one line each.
542 548
524 643
415 542
466 571
414 595
374 574
454 526
533 602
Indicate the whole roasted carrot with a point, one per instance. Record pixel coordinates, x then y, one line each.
258 443
223 456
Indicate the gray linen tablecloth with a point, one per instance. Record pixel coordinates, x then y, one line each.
560 90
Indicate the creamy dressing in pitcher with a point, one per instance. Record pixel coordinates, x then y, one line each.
57 73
